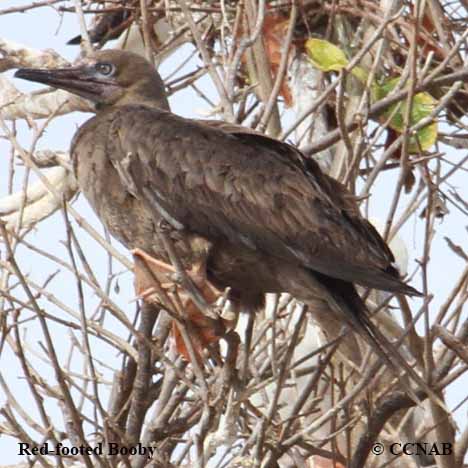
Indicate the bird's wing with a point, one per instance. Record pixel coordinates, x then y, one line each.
255 191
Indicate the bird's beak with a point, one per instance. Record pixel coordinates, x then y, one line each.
80 80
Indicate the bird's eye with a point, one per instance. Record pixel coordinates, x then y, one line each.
105 68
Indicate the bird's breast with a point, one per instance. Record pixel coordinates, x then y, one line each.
122 214
125 216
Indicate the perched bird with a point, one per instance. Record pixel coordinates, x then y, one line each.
106 27
255 213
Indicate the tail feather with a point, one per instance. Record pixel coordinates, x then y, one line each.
385 280
395 284
343 297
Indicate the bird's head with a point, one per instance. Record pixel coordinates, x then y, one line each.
107 78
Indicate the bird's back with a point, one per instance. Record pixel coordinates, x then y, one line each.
243 188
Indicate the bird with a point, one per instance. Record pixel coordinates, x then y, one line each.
254 213
106 27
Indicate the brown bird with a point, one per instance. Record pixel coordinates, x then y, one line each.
253 211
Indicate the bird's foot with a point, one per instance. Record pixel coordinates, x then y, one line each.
152 271
169 279
204 328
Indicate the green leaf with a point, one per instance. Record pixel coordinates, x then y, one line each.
423 105
424 138
383 89
360 74
325 55
328 57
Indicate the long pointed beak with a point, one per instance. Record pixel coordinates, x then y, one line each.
77 80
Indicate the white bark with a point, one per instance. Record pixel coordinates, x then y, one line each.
39 202
14 55
306 87
43 104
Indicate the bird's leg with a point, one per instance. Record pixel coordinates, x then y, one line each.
200 248
207 330
198 275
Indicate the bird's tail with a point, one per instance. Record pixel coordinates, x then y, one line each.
343 297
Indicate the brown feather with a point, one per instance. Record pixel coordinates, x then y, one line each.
274 222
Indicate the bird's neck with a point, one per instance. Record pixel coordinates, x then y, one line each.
149 100
149 93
